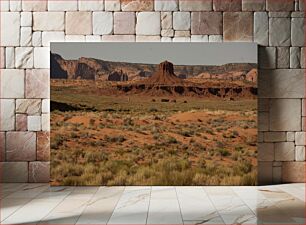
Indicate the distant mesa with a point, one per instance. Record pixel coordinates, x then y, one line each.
118 76
164 75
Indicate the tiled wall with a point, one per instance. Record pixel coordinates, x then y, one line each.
27 27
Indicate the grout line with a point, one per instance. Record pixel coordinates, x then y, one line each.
56 205
116 205
149 205
214 206
178 201
88 201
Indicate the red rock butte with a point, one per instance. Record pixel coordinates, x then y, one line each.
164 75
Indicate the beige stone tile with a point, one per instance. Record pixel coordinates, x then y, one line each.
273 5
28 106
232 5
75 38
34 5
37 83
300 153
43 146
279 32
39 172
169 5
201 5
285 115
2 146
181 21
275 136
124 22
261 28
48 21
7 114
78 23
238 26
12 83
41 57
14 172
62 5
253 5
34 123
45 122
267 57
264 173
52 36
137 5
112 5
281 83
166 20
102 23
91 5
293 172
10 28
141 38
25 36
300 138
206 23
21 122
143 28
118 38
284 151
24 57
266 152
26 19
20 146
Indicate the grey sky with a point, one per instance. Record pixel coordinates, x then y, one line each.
154 53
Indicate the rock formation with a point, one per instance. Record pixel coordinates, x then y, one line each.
164 75
118 76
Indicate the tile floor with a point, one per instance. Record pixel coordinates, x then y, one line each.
41 204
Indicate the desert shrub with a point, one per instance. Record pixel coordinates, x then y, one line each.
242 167
73 181
249 179
220 144
172 140
153 110
93 157
92 122
67 117
223 152
199 179
128 121
119 179
57 141
73 135
114 139
186 133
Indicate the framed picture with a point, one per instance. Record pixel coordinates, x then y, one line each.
153 114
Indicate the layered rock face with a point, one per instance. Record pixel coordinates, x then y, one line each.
118 76
91 68
164 75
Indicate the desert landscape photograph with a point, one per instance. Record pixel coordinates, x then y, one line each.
125 114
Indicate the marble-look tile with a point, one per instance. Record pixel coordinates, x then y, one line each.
69 211
9 206
43 146
164 207
32 212
195 204
29 191
297 191
21 146
132 207
100 208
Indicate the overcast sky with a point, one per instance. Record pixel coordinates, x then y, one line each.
154 53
